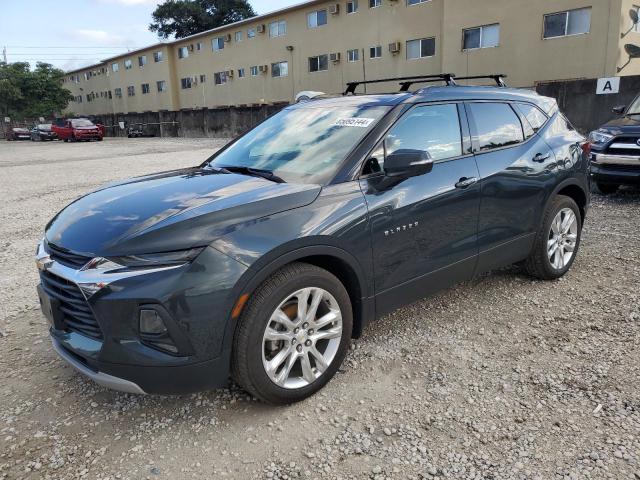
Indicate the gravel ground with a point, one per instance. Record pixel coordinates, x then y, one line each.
502 377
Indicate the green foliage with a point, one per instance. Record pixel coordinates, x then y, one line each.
28 94
188 17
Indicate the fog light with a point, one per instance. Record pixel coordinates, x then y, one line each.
151 323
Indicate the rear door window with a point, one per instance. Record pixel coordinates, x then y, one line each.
497 125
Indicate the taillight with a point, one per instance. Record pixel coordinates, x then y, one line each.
586 148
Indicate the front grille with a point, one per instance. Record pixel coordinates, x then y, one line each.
78 316
620 168
65 257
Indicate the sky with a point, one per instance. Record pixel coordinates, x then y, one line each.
74 33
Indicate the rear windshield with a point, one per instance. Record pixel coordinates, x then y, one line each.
82 122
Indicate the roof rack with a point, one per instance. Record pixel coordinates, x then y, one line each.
496 77
445 77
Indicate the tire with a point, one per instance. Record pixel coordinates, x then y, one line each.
607 188
252 350
539 264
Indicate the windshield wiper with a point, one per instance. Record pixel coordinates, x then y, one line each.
254 172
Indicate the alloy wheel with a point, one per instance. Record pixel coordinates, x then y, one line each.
563 237
302 338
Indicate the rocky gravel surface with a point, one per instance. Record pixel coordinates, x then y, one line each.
503 377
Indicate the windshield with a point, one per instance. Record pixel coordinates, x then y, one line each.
634 108
44 126
304 144
83 122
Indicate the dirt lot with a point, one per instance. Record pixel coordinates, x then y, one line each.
503 377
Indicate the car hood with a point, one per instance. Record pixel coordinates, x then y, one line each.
170 211
20 130
626 124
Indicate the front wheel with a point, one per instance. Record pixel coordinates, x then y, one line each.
557 243
293 335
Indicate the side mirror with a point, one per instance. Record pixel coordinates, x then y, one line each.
408 163
619 110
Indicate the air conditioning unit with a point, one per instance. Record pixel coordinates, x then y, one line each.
334 8
229 73
263 68
191 47
260 28
335 57
227 38
395 47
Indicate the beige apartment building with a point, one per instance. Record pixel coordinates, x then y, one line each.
321 45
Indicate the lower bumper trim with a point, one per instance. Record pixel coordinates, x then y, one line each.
104 379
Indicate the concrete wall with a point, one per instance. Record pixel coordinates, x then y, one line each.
586 110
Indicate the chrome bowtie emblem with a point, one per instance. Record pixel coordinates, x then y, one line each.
44 263
638 142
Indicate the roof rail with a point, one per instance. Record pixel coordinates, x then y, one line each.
496 77
445 77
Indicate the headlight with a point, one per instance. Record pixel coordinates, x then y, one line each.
597 137
153 260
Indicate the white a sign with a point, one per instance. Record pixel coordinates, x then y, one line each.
608 86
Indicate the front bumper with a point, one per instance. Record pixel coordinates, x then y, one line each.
194 301
615 169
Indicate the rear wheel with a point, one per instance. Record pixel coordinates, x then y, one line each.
293 334
607 188
557 243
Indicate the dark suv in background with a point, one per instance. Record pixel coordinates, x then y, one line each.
263 262
615 158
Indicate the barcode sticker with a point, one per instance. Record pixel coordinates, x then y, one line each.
353 122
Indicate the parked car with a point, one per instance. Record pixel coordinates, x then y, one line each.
265 260
43 132
615 146
77 129
18 133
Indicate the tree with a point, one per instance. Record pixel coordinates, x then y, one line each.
27 94
182 18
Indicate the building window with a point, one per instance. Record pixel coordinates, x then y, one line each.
375 3
421 48
220 78
115 67
563 24
217 43
128 64
416 2
142 60
486 36
238 36
254 71
375 52
317 18
117 92
277 29
131 91
183 52
185 83
280 69
145 88
319 63
199 46
158 56
353 55
251 32
352 6
241 73
161 85
109 94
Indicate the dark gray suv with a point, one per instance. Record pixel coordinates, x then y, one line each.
262 263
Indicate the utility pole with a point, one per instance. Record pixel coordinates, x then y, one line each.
4 54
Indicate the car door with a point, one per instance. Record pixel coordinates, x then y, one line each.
516 167
423 228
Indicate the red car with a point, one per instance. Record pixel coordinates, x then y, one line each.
17 133
78 129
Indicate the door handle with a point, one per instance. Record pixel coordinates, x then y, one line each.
466 182
541 157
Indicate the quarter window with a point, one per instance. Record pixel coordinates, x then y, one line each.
434 129
533 115
421 48
280 69
319 63
352 6
497 125
353 55
277 29
572 22
481 37
375 52
317 18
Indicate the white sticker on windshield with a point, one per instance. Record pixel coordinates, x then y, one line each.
353 122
